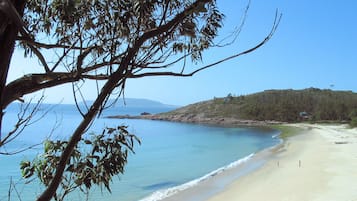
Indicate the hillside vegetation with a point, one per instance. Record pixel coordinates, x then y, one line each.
279 105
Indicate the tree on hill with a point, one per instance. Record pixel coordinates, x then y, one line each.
110 41
286 105
281 105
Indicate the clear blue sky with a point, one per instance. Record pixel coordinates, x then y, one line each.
315 46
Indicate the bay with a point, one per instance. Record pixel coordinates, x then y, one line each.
171 154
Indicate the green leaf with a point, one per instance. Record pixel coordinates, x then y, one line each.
24 164
26 169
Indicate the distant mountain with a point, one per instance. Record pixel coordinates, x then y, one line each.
275 105
131 106
135 102
134 106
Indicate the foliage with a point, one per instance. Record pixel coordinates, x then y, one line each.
353 122
94 161
281 105
108 28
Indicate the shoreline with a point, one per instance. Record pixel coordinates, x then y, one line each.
217 182
212 183
199 119
320 164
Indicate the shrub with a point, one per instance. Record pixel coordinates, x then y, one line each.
353 122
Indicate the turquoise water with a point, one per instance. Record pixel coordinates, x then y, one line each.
171 154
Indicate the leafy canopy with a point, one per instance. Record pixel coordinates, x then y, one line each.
110 27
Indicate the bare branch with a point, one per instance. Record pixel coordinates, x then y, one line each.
165 65
66 51
13 186
236 32
26 117
46 46
81 57
76 101
8 153
181 74
96 77
23 121
165 8
40 57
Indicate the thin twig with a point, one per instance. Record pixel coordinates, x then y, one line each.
266 39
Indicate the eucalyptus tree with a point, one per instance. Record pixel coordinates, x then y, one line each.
77 41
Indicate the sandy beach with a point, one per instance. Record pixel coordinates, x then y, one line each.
318 165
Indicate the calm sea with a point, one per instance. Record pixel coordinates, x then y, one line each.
172 157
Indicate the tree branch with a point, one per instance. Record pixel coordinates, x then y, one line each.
62 57
40 57
236 31
34 82
44 45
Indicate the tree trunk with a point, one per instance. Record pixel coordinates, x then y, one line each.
7 45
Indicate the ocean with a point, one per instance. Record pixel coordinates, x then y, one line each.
173 156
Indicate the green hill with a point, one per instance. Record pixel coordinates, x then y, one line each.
278 105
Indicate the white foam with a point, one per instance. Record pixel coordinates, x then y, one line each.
275 136
164 193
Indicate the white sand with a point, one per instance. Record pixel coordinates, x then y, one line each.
319 165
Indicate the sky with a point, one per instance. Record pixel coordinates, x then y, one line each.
315 45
